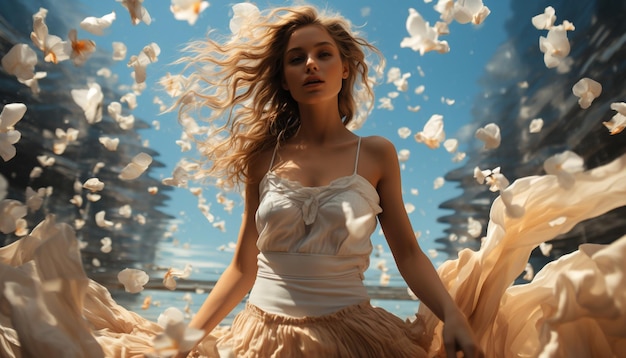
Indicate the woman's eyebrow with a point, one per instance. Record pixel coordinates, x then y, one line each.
323 43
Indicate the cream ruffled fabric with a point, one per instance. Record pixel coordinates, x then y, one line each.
575 306
356 331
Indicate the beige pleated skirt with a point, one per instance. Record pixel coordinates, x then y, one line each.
356 331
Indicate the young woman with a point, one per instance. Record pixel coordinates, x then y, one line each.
289 86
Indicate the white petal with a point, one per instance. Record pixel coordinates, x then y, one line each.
438 183
109 143
11 114
536 125
404 132
101 221
136 167
133 279
93 184
20 61
587 90
90 100
403 155
433 133
490 135
119 51
451 145
96 25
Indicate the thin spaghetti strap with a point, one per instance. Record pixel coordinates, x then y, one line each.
273 156
356 161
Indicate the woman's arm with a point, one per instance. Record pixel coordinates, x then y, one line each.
414 266
238 278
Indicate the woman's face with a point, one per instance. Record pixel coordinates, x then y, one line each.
313 68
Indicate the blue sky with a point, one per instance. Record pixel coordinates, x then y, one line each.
453 76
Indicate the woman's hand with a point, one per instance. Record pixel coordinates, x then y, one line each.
459 337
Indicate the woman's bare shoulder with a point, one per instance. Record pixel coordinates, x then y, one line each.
378 147
259 165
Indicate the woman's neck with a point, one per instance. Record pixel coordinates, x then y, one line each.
320 124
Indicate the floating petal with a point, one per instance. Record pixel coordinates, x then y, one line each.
133 279
136 167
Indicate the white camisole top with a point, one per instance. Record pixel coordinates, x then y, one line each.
314 243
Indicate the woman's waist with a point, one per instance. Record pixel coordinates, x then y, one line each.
297 285
305 267
299 297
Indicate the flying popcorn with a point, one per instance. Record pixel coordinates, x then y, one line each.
106 245
451 145
404 132
188 10
587 90
10 115
137 12
545 249
55 50
564 166
148 55
438 183
177 336
529 272
93 197
11 211
399 79
81 49
101 221
21 227
119 51
46 161
93 184
169 279
125 211
446 9
245 15
77 200
493 178
546 20
136 167
481 175
115 111
173 84
403 155
424 38
489 135
90 100
64 138
109 143
393 74
34 199
473 11
20 61
130 99
618 121
97 25
555 46
133 279
458 156
536 125
432 134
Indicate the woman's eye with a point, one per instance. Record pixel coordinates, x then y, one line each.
295 59
325 54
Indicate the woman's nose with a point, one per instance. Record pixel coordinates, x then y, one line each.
311 64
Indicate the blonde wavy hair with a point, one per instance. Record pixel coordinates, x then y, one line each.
240 82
